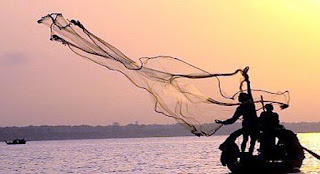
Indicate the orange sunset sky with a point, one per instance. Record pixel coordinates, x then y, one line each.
44 83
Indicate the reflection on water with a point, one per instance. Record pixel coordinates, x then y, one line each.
312 142
139 155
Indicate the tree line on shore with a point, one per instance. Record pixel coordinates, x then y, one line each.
33 133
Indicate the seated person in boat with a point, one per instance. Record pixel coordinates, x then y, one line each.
268 123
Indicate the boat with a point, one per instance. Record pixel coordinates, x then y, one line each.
286 156
16 141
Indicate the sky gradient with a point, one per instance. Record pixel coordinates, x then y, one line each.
44 83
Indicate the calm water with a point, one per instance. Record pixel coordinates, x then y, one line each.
139 155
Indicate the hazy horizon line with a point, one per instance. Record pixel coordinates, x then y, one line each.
119 124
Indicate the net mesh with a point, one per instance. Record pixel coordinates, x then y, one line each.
190 95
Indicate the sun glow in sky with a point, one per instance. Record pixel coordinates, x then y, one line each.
42 82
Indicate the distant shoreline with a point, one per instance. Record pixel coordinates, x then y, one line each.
37 133
144 137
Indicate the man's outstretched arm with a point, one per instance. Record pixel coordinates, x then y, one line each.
246 78
233 119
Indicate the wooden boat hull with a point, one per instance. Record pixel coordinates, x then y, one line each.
254 164
287 156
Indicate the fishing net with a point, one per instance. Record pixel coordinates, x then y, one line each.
190 95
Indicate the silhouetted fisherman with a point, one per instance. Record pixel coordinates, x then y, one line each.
250 120
268 122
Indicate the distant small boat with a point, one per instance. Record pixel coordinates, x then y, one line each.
16 141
